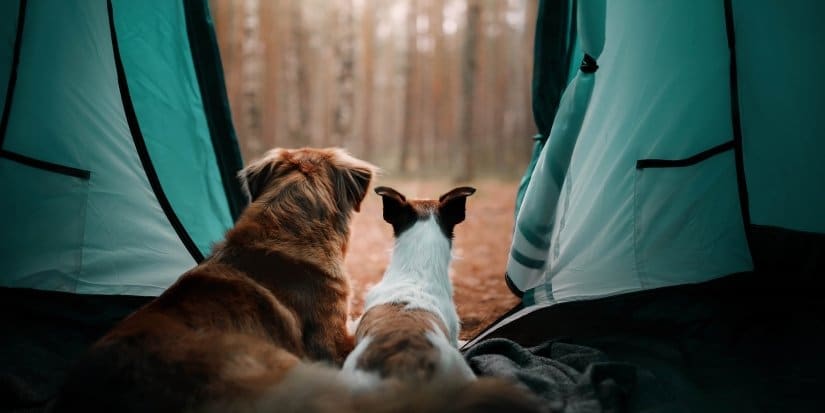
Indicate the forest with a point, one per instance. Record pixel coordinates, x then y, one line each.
422 88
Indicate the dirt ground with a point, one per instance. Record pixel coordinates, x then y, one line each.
480 248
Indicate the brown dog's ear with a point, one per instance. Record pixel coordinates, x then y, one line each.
352 178
451 207
256 176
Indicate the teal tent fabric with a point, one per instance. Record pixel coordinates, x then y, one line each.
552 52
108 169
203 45
782 95
8 33
164 89
700 123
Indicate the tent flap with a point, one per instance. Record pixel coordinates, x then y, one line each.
109 174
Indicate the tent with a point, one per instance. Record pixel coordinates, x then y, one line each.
114 138
672 217
670 225
117 167
695 138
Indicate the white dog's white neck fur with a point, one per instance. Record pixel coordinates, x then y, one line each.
419 274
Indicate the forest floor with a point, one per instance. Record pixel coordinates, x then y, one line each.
480 248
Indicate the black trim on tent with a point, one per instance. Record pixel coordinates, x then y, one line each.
678 163
512 286
736 124
209 70
46 166
140 145
15 61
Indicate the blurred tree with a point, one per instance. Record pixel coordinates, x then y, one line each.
438 87
345 74
298 94
469 67
367 90
410 88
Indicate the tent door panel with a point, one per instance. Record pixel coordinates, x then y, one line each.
42 216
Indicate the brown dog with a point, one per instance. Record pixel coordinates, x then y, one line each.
272 294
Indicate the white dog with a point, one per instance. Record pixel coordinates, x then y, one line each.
409 330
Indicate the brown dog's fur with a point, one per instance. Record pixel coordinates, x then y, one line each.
273 294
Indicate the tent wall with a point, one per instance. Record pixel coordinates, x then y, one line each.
109 172
8 34
782 94
641 190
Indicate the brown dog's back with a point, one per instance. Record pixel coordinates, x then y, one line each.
211 335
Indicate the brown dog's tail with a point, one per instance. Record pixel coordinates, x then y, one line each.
319 389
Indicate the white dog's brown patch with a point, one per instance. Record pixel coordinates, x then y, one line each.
400 346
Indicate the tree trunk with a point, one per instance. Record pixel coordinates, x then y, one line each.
298 78
270 75
368 57
440 81
410 73
251 77
469 67
345 75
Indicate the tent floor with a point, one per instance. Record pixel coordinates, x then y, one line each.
43 333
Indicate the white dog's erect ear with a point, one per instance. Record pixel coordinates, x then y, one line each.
460 192
352 178
397 211
255 176
451 206
390 194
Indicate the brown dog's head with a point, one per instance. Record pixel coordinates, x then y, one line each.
301 198
326 178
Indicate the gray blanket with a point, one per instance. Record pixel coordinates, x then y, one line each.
571 378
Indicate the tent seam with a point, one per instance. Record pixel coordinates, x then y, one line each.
736 124
15 63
